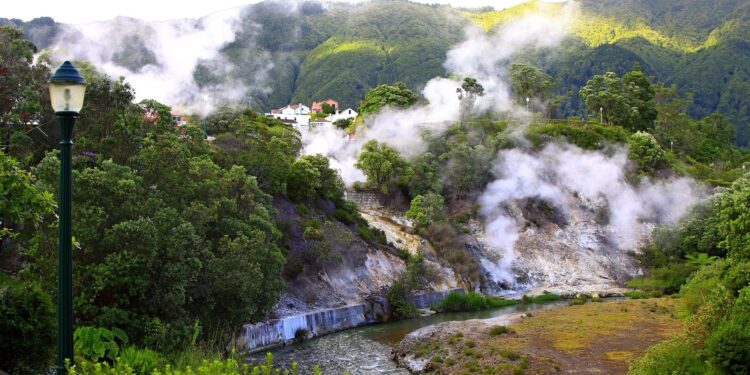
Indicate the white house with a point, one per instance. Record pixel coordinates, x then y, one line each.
294 109
345 114
296 113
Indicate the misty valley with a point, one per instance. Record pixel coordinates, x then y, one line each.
377 187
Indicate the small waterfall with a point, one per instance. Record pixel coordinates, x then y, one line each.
282 331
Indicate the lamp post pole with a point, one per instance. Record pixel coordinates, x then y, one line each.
65 279
601 115
67 89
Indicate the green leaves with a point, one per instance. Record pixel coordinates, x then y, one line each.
22 201
700 260
628 102
395 95
383 166
427 209
96 343
645 151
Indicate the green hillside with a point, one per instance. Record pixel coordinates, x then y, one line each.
379 44
342 51
702 47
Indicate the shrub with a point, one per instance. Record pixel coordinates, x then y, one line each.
397 297
636 294
96 343
427 209
645 151
542 298
510 355
729 345
667 279
589 137
312 233
208 364
372 235
28 315
471 301
142 361
695 292
669 357
344 216
500 330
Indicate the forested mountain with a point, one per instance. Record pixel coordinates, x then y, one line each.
314 52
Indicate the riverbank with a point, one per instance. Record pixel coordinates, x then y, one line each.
367 350
593 338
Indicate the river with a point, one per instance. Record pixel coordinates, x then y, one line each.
367 350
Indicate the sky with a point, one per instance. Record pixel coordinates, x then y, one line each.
91 11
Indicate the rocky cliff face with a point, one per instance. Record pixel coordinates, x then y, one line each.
562 252
361 269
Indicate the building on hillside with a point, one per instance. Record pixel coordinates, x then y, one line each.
343 115
317 107
298 114
292 110
179 118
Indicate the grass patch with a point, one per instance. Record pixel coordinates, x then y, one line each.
636 294
510 355
578 301
542 298
575 328
472 301
500 330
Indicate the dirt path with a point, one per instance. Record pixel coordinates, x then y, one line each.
594 338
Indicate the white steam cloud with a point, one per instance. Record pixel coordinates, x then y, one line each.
482 56
564 176
171 51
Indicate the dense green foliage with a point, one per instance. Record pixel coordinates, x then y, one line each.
541 298
385 169
136 361
645 151
472 301
396 95
427 209
169 230
711 245
627 101
27 326
21 201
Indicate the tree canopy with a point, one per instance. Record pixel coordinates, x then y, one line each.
395 95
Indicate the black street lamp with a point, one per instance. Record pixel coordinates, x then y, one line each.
66 91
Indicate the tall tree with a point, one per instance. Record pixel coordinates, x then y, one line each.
23 92
530 82
468 93
628 101
384 167
395 95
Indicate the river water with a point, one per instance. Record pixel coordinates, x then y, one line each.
367 350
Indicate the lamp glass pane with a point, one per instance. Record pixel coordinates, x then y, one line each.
66 96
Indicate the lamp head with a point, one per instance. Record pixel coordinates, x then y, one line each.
67 89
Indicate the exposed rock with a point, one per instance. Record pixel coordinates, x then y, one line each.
575 257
